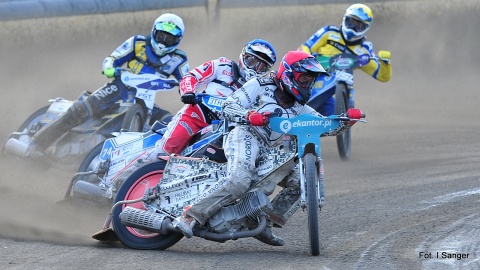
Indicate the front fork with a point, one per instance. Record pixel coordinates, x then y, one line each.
351 102
320 184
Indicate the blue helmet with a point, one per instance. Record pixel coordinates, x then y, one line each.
257 58
166 34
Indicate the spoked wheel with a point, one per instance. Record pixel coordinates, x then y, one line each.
134 118
341 106
133 188
312 203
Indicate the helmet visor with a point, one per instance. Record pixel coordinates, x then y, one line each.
308 65
262 51
355 25
169 28
255 63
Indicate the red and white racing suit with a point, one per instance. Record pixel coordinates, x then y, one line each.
218 78
245 145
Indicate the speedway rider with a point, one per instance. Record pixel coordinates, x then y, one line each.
349 38
156 53
216 78
282 94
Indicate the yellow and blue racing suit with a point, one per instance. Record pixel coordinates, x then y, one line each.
329 41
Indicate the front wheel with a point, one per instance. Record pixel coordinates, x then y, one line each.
134 187
341 106
312 202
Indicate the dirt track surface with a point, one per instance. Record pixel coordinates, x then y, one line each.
412 185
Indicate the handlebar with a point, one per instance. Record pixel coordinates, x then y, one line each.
145 80
342 117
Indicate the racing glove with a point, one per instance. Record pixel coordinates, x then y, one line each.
110 72
188 98
258 119
188 84
384 56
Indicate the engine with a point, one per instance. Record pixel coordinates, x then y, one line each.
242 214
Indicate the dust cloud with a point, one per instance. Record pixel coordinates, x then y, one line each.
435 79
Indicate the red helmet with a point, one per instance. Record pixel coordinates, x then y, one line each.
297 73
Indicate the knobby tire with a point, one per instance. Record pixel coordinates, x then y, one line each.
312 202
341 106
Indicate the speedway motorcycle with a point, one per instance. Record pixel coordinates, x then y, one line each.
338 84
132 114
104 168
155 194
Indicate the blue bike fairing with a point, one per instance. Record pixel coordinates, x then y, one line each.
213 103
113 148
306 127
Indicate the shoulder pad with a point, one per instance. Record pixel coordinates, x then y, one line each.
332 28
266 81
180 53
368 45
224 59
140 38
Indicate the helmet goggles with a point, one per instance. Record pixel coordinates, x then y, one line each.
355 25
256 63
306 72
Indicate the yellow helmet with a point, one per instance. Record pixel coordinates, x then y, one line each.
356 22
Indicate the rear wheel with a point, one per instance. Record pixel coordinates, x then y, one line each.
134 118
341 106
133 188
312 202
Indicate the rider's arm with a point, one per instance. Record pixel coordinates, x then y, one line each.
204 74
237 106
377 68
309 110
122 54
314 44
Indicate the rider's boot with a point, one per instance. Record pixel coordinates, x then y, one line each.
49 133
185 223
268 237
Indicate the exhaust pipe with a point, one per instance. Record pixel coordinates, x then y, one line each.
16 147
145 220
85 189
159 223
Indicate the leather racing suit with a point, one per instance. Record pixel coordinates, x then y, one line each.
139 57
245 145
216 78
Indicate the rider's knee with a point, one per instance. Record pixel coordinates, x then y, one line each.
241 179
